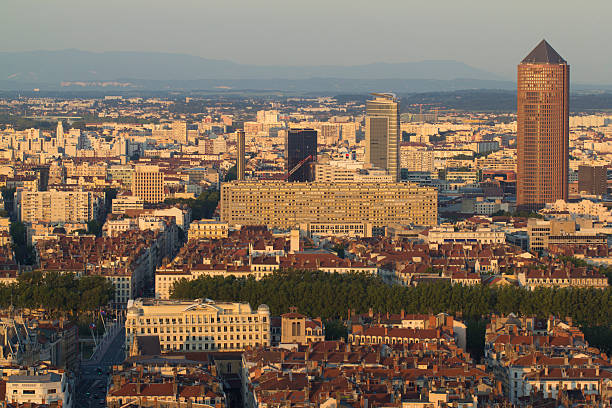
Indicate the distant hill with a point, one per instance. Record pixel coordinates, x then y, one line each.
75 70
53 67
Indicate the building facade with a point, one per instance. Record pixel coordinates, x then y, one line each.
58 206
200 325
285 205
148 184
543 128
207 229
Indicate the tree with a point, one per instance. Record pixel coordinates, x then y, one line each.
232 174
329 294
339 250
335 330
202 207
94 227
58 293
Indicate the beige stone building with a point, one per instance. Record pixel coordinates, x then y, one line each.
198 325
300 329
148 184
285 205
208 229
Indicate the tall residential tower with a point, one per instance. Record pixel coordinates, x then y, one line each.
543 128
240 155
383 133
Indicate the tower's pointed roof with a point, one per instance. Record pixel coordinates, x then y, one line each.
543 53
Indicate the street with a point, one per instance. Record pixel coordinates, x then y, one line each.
93 381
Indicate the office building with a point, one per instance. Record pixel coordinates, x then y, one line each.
179 132
300 149
199 325
541 231
382 133
148 183
285 205
543 128
593 179
240 152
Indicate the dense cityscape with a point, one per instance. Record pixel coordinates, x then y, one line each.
176 249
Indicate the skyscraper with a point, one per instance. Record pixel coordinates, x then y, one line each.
59 134
382 133
299 146
240 152
543 128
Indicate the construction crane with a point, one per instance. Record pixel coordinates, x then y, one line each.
297 167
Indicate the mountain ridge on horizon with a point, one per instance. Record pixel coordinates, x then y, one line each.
77 65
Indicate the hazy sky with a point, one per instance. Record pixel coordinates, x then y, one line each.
489 34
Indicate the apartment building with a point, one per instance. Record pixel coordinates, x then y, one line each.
148 183
198 325
284 205
57 206
416 158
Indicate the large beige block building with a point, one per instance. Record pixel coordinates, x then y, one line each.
284 205
198 325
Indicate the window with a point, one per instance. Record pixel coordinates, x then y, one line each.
29 392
